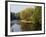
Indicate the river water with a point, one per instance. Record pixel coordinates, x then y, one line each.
15 26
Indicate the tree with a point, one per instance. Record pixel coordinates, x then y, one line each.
37 17
32 16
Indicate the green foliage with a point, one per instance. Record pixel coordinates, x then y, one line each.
37 17
37 14
26 13
30 14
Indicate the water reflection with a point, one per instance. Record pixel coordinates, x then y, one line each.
16 27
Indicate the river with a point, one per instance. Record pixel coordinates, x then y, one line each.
15 26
